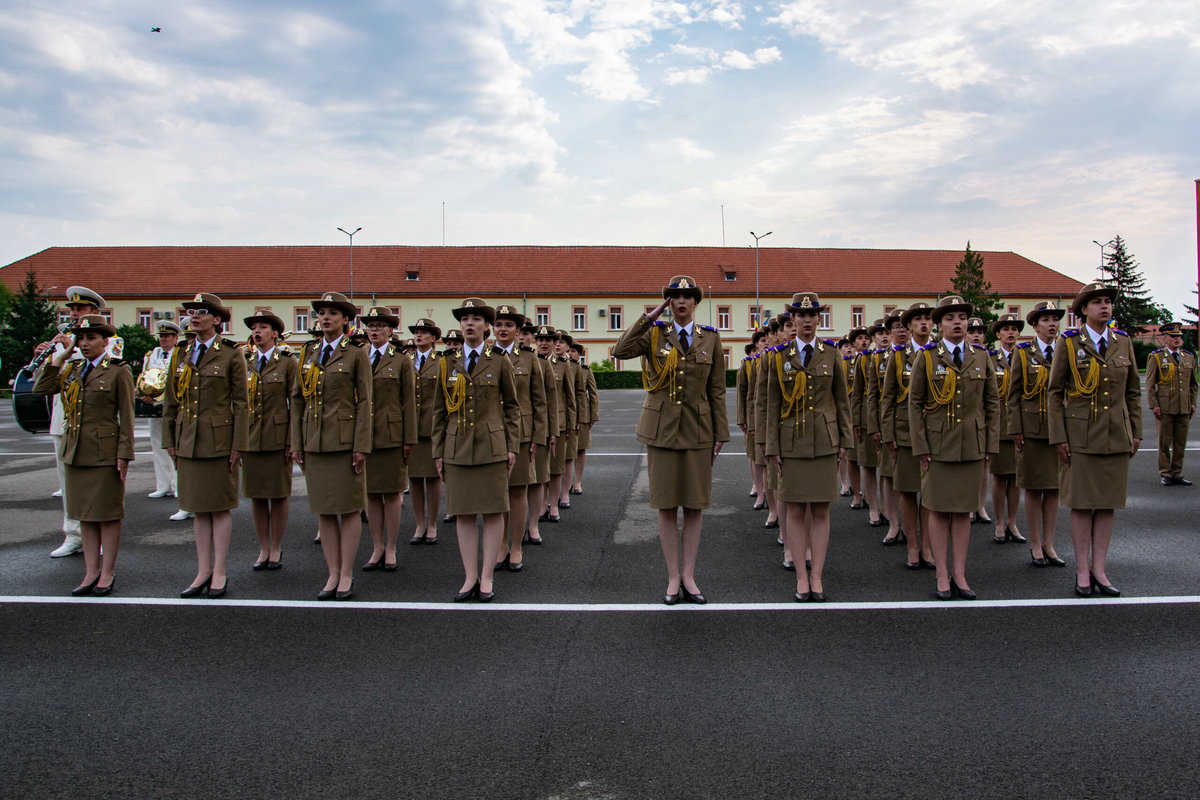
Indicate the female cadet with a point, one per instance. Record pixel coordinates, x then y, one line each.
847 351
424 484
267 463
548 340
741 383
331 437
1095 419
859 344
895 331
476 433
539 338
977 337
576 385
808 422
585 422
1006 496
206 429
1037 463
97 443
785 333
393 435
683 422
862 403
759 405
953 414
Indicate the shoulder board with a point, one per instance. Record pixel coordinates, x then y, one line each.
830 342
982 348
284 351
1069 332
1022 345
847 358
779 348
659 323
897 348
1189 352
991 350
708 328
1118 330
229 343
930 346
527 348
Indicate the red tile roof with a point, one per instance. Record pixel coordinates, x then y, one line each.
304 271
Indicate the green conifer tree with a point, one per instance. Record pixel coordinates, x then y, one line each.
1134 308
971 284
29 319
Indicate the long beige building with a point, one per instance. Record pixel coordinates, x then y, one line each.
592 292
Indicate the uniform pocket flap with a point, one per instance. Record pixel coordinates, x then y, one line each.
654 401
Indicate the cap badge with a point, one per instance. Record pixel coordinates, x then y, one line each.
806 303
1050 305
683 283
469 304
87 323
199 298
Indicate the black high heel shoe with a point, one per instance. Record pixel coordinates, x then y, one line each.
85 588
671 599
274 565
486 597
1106 589
965 594
1055 561
197 590
1083 591
371 566
346 595
469 594
1011 535
801 597
940 595
327 594
696 598
1038 562
213 593
101 591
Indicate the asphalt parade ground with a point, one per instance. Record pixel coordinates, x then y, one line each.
577 682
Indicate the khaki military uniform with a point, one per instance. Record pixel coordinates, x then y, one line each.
683 415
530 388
393 420
474 430
808 419
1037 463
960 431
893 418
564 390
205 417
1171 387
866 368
574 384
331 420
550 426
97 430
1099 424
593 407
878 365
762 370
1004 463
420 461
266 468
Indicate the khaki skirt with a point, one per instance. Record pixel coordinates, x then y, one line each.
94 494
887 462
952 487
867 452
522 472
207 485
541 464
266 475
906 476
1092 482
1037 466
420 460
760 453
572 440
771 475
679 477
333 486
585 439
750 444
558 459
1004 462
481 489
387 472
809 480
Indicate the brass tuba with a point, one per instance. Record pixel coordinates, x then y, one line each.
152 382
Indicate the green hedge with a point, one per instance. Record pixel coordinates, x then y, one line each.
630 379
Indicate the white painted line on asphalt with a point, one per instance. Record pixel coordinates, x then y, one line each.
575 608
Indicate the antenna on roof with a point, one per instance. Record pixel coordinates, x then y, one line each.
722 224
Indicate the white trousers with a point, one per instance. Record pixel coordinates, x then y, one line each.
69 526
164 468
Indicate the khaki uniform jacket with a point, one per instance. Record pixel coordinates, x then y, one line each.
551 423
426 391
100 428
893 409
531 394
593 393
393 400
336 416
877 370
1109 422
583 412
688 411
488 425
1003 369
1028 417
1178 395
564 393
967 429
752 368
743 369
208 416
270 399
766 363
819 423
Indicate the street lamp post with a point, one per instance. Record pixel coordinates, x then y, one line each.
757 302
351 235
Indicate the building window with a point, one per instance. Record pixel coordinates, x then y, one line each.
616 318
1014 310
826 322
647 309
395 312
724 318
856 316
541 315
725 352
227 326
301 313
730 275
412 272
888 310
753 320
145 318
107 314
1071 320
579 318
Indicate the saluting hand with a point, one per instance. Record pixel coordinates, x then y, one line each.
661 307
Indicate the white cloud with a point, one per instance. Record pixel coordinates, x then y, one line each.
693 75
683 149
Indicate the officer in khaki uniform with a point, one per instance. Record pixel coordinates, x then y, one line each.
1094 414
564 390
393 435
424 484
891 325
777 339
96 392
540 338
742 384
267 465
1171 392
683 422
574 384
808 426
862 401
954 421
206 428
585 421
1006 495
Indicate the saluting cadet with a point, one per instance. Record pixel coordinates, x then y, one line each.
564 390
159 358
542 338
862 402
530 388
808 422
476 435
741 384
894 328
907 342
271 375
953 414
1171 391
424 484
206 429
1095 418
393 436
860 344
1006 495
331 437
1037 463
977 337
96 392
585 422
683 423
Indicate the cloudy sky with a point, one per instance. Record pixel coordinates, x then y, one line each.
1027 126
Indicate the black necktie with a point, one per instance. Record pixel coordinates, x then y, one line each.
420 362
87 370
683 339
326 354
1103 347
375 359
807 355
471 361
1175 356
200 351
262 364
1050 353
957 357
